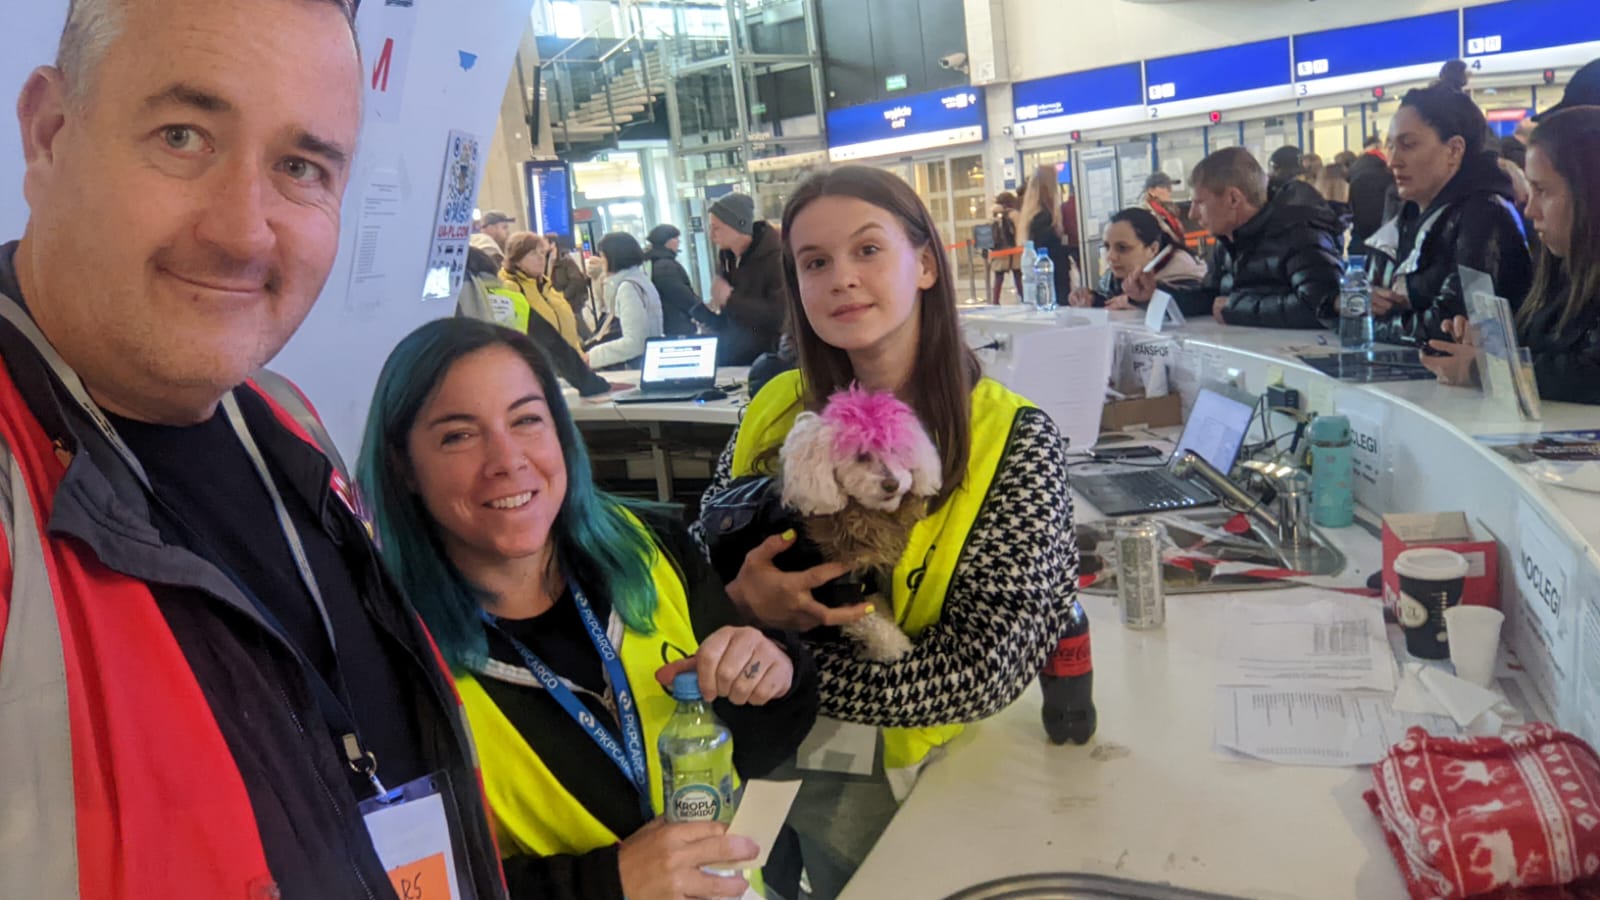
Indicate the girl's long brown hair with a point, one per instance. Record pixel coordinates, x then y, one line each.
946 370
1570 139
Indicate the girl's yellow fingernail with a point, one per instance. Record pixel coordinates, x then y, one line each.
789 535
871 609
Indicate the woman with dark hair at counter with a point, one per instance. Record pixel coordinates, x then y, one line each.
1456 208
1135 242
1560 320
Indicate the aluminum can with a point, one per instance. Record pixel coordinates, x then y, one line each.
1139 587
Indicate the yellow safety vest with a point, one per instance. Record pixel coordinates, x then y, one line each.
534 812
923 575
509 308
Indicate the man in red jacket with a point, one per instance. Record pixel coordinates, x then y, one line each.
204 672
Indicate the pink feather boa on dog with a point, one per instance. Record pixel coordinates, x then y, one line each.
871 422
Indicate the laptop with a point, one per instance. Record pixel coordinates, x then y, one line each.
1216 431
675 369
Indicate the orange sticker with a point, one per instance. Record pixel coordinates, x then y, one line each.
425 879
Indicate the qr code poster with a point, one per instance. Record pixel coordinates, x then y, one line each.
458 195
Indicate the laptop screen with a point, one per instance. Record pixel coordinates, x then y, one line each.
676 360
1216 429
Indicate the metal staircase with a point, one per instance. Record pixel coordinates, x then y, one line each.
594 89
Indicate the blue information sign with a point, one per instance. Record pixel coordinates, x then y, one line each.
1113 87
1520 26
549 196
1213 73
1378 47
935 111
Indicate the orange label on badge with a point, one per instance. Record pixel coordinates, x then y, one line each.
425 879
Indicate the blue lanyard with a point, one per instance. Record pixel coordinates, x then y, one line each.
632 761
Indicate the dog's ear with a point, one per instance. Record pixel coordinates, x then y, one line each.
809 484
927 470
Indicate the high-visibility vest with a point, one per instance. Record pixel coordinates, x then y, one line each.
117 782
509 308
922 577
534 812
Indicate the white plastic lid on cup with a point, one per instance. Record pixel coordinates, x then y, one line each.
1431 564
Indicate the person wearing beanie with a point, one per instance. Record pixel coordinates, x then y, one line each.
678 299
1283 166
747 303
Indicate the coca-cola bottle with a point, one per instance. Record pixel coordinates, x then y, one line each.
1068 683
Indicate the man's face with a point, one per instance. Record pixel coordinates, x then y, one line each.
500 231
721 234
1219 212
204 169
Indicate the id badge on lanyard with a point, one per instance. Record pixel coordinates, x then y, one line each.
416 830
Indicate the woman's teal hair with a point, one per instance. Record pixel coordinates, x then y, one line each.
596 543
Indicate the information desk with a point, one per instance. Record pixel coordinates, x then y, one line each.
1149 799
703 426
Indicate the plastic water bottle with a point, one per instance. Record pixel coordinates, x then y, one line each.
1067 681
1333 499
1355 306
1044 283
1030 278
696 759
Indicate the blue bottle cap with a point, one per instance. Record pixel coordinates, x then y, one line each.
1330 429
686 686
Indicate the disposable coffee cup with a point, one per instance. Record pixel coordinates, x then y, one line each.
1474 633
1431 580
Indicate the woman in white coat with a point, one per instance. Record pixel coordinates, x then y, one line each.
632 298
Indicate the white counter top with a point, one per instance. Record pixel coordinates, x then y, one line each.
1149 799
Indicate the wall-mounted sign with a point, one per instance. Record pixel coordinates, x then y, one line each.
906 124
1225 78
1379 53
1097 98
894 83
1528 35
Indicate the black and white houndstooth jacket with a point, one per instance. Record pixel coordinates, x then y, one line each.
1005 609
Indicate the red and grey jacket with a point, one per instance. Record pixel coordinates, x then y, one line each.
157 738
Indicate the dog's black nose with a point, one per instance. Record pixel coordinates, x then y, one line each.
890 485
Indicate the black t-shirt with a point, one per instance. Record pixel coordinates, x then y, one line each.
560 640
217 506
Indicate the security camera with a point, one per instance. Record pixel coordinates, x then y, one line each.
956 61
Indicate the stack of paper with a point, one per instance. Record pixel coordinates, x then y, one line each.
1308 678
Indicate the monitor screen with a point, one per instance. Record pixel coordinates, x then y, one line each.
680 359
1216 429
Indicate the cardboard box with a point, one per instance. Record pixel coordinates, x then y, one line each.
1157 413
1451 531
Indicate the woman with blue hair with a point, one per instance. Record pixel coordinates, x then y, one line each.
560 608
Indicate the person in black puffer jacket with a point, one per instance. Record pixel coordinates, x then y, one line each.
678 299
567 277
1455 208
1370 185
1277 259
1560 322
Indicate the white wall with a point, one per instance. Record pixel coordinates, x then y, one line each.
1048 37
336 355
27 40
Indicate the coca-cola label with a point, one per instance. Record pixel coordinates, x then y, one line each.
1070 658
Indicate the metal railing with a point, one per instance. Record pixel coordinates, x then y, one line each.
580 87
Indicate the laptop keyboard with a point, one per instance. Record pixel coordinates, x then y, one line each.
1152 490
